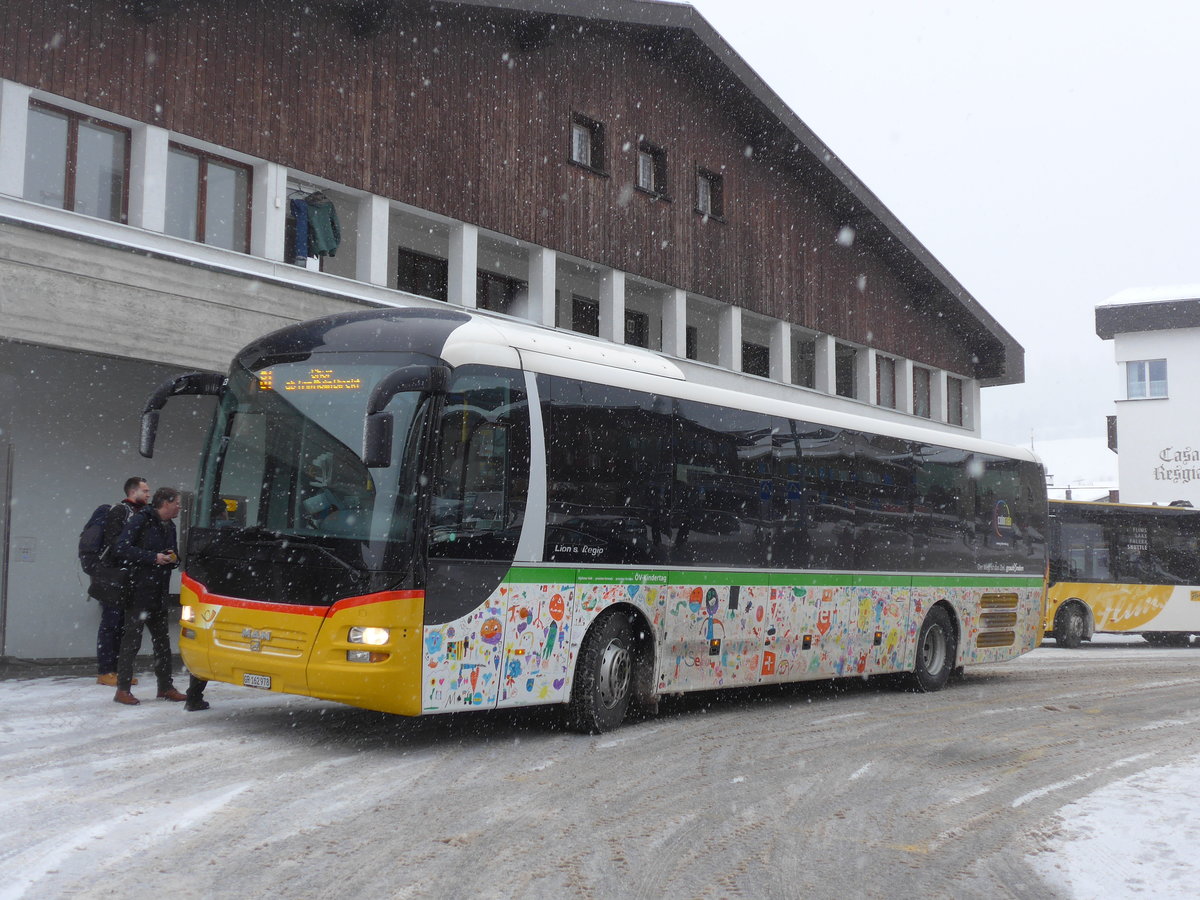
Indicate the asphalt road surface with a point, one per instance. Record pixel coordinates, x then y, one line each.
843 789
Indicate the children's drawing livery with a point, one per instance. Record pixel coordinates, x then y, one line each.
424 511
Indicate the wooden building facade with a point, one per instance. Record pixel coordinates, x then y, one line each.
610 168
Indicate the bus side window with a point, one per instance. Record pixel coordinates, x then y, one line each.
481 476
607 448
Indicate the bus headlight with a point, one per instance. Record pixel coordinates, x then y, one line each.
187 614
373 636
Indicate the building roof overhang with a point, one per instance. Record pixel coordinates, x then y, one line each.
1158 315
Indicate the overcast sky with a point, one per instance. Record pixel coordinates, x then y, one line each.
1045 152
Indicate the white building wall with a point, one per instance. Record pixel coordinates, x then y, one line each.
1159 439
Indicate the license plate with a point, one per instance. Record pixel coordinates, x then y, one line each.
256 681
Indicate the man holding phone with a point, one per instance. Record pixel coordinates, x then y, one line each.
149 547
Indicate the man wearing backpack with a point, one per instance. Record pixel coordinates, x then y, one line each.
112 615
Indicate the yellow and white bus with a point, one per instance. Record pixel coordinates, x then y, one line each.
1123 568
424 511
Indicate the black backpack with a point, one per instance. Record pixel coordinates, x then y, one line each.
91 539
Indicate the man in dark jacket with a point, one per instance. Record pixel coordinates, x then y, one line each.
147 545
108 636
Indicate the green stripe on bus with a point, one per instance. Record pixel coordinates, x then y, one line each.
540 575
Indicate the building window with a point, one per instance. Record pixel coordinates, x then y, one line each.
922 393
637 328
423 275
845 363
651 169
954 400
77 163
585 316
587 143
804 362
710 194
208 199
885 381
496 292
756 359
691 338
1145 378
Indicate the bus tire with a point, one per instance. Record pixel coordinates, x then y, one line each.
1069 626
604 673
937 650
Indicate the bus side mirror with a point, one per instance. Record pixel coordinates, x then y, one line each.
201 383
377 429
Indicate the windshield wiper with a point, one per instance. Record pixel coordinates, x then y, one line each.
358 574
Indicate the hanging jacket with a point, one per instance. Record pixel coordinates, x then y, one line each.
324 230
300 212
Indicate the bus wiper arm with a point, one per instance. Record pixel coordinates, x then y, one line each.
358 574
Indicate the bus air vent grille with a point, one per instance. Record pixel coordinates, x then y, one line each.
998 601
996 639
991 620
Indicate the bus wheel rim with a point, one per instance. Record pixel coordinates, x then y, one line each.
615 669
933 651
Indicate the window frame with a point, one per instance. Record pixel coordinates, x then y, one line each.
845 355
715 195
584 307
955 405
637 328
922 389
203 157
71 173
885 381
511 288
658 170
407 262
1146 381
758 355
597 157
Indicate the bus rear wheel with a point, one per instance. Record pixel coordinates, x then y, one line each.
937 649
604 675
1068 627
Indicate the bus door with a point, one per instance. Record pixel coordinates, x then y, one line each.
480 480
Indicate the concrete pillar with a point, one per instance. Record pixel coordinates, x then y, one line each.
463 264
371 253
148 147
612 306
781 352
543 279
268 212
729 338
904 385
825 364
14 125
674 322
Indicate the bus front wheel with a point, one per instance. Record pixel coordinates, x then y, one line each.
604 674
937 648
1068 627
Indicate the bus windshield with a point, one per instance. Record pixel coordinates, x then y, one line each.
284 460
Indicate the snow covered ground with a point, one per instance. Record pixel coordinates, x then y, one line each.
100 800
